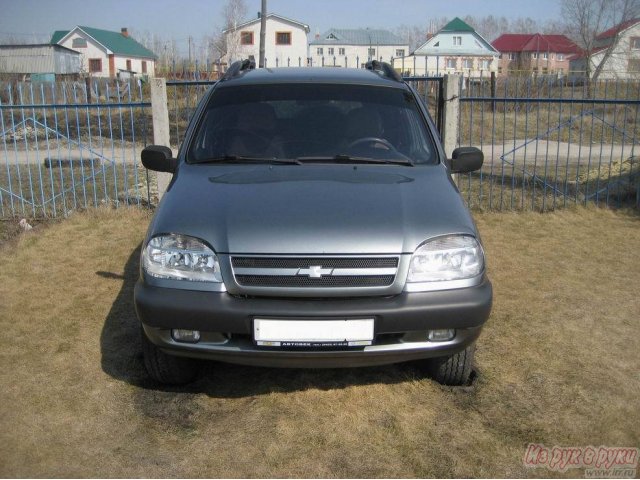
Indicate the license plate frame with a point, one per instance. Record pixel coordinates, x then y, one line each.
313 333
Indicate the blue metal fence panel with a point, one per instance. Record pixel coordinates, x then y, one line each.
65 146
550 142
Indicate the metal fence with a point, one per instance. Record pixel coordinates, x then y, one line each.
547 143
550 142
65 146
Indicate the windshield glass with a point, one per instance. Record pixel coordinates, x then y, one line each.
312 122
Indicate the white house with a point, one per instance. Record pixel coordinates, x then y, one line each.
285 41
622 63
105 53
354 47
456 48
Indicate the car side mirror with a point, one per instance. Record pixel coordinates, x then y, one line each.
466 159
159 159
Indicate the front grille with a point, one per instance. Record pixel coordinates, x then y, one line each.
315 272
300 281
306 262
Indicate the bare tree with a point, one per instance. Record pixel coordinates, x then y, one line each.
586 19
412 35
233 13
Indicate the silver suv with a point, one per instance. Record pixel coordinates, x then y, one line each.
311 221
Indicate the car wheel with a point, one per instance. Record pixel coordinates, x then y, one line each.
453 370
166 368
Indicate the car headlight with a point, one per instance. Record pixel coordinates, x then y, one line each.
453 257
180 257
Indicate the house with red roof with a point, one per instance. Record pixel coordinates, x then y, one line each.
616 51
534 53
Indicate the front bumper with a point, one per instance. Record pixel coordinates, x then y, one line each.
401 324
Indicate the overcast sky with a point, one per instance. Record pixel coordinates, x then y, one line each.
35 20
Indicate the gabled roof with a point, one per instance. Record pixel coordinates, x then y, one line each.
457 25
534 42
617 29
113 41
269 15
358 36
480 46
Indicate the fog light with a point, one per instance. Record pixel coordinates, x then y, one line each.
185 336
441 335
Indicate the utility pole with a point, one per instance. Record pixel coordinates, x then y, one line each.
263 31
189 38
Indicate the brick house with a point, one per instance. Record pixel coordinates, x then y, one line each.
534 53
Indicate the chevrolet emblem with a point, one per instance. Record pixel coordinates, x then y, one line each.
315 271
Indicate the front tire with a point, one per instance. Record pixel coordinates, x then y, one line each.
455 369
167 369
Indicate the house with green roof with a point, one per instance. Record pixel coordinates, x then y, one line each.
455 48
105 53
353 47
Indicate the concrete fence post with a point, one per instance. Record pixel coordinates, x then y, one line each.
451 114
161 136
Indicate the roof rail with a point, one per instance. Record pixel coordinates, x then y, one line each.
237 67
384 69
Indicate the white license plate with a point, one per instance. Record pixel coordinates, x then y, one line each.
313 333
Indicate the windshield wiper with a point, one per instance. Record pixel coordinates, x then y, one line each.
242 159
349 159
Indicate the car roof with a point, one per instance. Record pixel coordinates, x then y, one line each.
335 75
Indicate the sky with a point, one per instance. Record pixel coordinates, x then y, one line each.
35 20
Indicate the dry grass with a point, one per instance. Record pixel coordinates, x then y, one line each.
558 364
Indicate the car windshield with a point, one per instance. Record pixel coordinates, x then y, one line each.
312 123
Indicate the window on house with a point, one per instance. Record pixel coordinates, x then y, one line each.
400 52
144 67
484 64
437 44
95 65
545 56
512 56
499 70
246 38
635 43
372 52
79 43
561 57
129 65
457 41
452 63
534 55
545 70
330 51
467 63
340 51
634 65
283 38
319 51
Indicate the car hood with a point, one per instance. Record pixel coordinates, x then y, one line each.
312 209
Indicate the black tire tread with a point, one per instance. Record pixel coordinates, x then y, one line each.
167 369
455 369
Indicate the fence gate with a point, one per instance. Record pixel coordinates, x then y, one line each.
551 142
71 145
